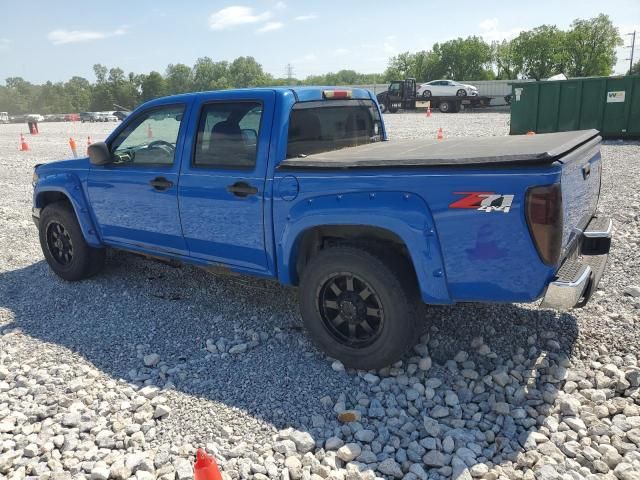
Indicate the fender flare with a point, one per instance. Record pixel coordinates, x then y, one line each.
410 219
70 186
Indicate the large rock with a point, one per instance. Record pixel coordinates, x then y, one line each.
390 468
349 452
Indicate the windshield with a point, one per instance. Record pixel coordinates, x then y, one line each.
323 126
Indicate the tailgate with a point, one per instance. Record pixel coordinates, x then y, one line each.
581 173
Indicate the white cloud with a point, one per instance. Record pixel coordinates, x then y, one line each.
341 51
280 5
310 16
4 43
490 31
491 35
489 24
61 36
270 27
233 16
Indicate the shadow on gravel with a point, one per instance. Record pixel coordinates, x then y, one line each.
137 307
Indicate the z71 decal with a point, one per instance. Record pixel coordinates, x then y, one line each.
484 201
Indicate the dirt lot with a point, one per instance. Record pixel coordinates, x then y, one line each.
124 375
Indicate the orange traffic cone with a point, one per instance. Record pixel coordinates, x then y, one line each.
24 146
89 142
205 467
531 133
440 135
149 132
74 147
428 111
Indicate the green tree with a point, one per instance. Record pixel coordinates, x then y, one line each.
78 91
465 59
591 47
152 86
541 52
505 60
635 70
210 75
246 72
100 71
178 79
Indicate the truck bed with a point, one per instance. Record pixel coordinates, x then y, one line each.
517 150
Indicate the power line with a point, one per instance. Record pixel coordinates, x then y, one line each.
632 47
289 73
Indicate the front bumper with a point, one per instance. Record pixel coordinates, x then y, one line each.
578 277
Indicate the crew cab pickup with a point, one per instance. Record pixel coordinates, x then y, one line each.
301 185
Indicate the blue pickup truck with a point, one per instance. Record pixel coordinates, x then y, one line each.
302 186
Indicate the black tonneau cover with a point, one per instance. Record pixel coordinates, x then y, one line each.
490 151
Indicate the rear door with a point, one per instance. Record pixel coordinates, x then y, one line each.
222 183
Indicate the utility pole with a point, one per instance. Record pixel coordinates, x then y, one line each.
632 47
289 72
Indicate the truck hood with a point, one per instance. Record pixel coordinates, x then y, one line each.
64 165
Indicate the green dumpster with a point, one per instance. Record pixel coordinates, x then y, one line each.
608 104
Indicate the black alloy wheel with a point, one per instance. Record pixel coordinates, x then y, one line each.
350 309
59 243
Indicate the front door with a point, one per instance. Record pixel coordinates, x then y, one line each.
221 193
135 198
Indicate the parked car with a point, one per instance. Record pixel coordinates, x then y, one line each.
300 185
34 117
72 117
90 117
442 88
17 118
54 117
106 117
4 117
121 114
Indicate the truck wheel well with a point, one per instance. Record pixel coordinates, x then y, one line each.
378 240
47 198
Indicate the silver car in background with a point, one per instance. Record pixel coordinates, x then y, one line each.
446 88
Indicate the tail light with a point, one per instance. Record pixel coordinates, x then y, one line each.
336 94
544 217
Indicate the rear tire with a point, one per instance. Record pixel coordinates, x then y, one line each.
445 107
367 322
64 246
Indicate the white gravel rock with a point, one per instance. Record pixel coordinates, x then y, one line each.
490 391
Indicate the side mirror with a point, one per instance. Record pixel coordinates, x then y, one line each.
99 154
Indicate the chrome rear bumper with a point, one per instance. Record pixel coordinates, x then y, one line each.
578 278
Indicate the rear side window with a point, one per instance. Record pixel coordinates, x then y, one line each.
322 126
228 135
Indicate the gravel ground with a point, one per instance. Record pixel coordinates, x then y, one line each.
125 375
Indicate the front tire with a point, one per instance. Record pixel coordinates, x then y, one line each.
64 246
461 93
359 308
426 94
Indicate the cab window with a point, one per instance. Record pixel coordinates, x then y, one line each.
150 139
227 135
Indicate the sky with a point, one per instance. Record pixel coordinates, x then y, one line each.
57 40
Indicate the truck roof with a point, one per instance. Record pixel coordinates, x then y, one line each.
302 93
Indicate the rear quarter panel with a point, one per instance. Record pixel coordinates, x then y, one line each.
459 254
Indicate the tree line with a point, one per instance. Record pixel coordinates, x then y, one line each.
586 49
